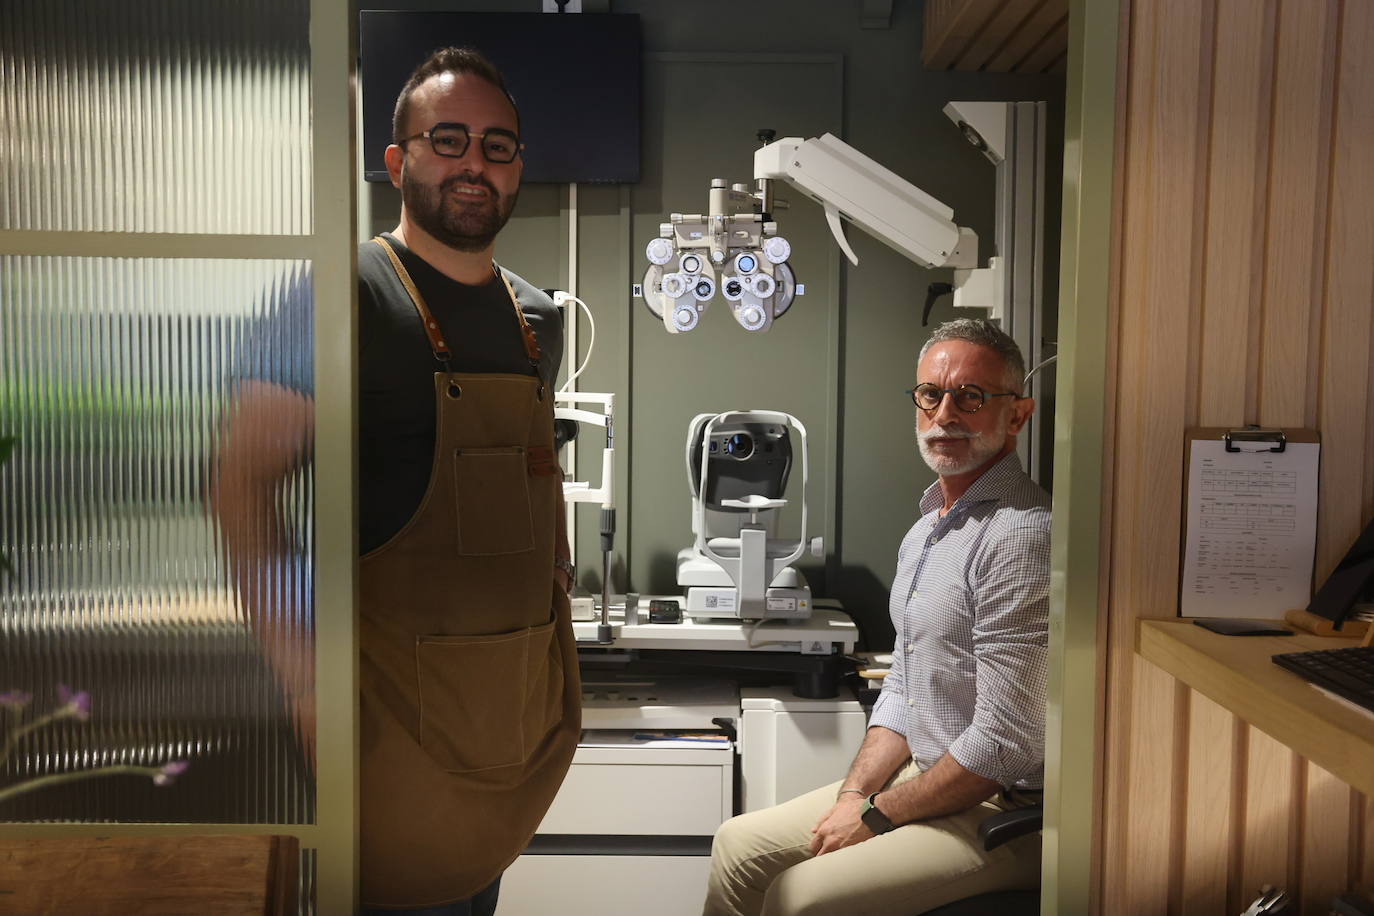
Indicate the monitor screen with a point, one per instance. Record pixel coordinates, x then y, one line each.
575 78
1350 582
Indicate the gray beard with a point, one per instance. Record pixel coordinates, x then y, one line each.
981 449
464 229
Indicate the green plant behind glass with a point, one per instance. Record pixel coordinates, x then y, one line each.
72 704
6 450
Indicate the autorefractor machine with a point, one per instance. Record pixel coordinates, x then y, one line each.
738 464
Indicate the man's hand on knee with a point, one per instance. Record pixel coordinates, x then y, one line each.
840 827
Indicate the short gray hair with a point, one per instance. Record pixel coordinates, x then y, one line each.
984 333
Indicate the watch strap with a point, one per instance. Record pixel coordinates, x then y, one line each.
873 818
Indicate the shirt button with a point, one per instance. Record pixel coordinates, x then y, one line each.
909 646
911 702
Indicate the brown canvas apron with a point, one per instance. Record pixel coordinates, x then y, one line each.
470 696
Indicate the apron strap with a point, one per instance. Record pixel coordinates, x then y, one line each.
532 351
436 337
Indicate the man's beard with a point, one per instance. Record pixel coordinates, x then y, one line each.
982 446
470 226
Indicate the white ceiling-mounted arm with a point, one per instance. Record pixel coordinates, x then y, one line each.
734 248
848 184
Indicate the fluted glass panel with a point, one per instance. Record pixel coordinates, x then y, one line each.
155 116
156 526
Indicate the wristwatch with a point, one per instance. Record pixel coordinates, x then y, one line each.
874 819
569 570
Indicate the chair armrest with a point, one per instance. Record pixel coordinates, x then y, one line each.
1006 826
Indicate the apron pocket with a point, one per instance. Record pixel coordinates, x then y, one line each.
484 699
492 495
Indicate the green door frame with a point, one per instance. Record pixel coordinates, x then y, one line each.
1073 740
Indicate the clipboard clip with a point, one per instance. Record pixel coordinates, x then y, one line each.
1254 433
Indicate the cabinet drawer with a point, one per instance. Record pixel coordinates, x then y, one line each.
663 799
605 886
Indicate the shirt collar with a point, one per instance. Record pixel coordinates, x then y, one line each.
994 483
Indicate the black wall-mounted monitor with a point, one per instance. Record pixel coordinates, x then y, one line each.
1350 582
574 76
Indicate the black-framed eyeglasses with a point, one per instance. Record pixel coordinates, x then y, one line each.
451 139
968 398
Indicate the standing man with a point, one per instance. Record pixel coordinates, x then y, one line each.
470 707
958 730
470 693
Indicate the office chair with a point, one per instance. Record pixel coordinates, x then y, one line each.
993 831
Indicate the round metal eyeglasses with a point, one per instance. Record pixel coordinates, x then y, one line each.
451 140
967 398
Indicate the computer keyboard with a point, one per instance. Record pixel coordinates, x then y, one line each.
1345 672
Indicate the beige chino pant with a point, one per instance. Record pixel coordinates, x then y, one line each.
761 862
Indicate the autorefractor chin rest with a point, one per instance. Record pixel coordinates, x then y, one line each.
738 463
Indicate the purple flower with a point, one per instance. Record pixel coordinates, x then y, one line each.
169 772
15 699
76 704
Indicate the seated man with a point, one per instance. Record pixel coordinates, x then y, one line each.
958 731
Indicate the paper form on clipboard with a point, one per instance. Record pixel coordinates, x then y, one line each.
1251 523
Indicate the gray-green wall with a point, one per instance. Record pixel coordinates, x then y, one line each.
714 72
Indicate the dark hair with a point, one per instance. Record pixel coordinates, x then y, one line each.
984 333
448 60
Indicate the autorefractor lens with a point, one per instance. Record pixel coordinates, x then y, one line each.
740 445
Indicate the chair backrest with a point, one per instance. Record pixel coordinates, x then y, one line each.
150 875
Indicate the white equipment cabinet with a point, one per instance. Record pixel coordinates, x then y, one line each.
630 831
631 828
790 745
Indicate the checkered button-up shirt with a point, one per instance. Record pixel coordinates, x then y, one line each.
970 605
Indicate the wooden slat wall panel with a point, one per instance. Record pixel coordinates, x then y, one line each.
1024 36
1245 293
1209 815
1346 328
1154 297
1040 59
1297 185
1271 772
1121 661
1364 860
1048 16
1347 325
949 27
1004 21
1327 833
1238 159
1153 753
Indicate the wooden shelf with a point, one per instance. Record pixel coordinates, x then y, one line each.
1236 672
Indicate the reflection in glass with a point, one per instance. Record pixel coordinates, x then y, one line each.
123 382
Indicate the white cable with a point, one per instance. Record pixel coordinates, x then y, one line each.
562 298
1026 381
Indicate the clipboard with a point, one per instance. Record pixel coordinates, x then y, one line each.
1249 521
